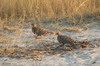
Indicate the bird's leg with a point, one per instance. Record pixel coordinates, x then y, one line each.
68 45
62 45
59 46
73 46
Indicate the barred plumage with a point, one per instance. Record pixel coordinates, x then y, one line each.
73 43
65 40
39 31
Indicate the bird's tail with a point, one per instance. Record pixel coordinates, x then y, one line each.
84 44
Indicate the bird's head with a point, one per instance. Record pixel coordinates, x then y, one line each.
34 25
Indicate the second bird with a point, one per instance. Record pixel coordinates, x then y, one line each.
65 40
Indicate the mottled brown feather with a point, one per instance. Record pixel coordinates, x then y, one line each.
73 43
39 31
65 40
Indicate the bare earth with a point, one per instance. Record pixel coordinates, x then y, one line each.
19 47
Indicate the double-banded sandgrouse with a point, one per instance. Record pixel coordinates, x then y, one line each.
73 43
65 39
39 31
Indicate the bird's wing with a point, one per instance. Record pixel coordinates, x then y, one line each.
67 38
63 37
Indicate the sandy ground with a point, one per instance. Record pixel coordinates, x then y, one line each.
85 57
35 52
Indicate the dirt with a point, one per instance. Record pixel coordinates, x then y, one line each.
18 46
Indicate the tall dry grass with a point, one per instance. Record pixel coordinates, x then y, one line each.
47 8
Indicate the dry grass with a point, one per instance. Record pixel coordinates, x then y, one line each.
74 29
47 8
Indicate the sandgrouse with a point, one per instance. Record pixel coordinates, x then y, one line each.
65 39
39 31
73 43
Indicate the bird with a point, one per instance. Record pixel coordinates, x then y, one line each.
40 31
65 40
71 42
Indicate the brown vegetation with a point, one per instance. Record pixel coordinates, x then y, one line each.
47 8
